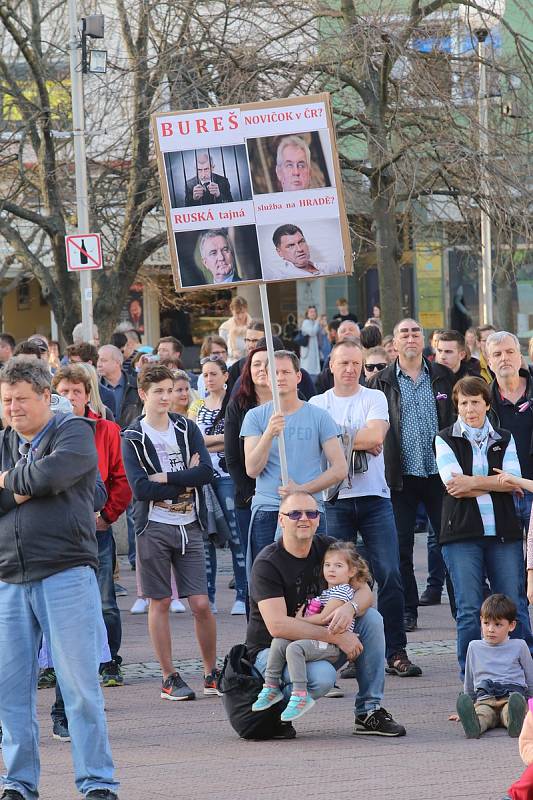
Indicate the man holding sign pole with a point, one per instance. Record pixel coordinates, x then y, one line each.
309 434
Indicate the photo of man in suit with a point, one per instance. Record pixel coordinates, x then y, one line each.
218 255
207 187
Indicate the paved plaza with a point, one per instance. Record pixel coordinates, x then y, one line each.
167 750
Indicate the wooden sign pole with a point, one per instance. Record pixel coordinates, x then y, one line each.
272 368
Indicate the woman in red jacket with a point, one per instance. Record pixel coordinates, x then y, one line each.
73 382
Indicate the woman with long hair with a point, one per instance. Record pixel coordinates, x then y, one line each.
183 395
208 414
253 391
95 401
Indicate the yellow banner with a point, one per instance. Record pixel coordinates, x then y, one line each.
58 94
428 265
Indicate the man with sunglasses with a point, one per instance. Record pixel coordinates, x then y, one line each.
362 503
285 576
419 396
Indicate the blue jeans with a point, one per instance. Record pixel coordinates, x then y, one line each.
104 576
405 504
65 607
131 534
369 667
243 517
523 509
467 563
373 518
433 550
435 560
225 491
264 526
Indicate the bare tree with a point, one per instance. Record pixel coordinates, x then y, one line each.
405 111
40 191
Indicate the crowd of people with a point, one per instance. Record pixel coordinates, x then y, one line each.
384 436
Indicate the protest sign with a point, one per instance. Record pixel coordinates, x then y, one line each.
252 193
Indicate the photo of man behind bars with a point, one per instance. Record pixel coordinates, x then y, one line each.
208 176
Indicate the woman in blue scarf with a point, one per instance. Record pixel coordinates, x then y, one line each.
480 533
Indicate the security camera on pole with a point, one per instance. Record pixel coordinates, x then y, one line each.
77 67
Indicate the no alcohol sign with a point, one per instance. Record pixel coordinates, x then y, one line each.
84 251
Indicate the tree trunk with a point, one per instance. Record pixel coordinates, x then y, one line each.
387 251
504 310
65 303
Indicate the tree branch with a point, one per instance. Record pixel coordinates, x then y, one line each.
45 223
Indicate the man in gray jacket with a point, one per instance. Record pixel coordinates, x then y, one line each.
48 557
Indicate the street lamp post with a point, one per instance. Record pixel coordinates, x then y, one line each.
485 278
77 67
480 20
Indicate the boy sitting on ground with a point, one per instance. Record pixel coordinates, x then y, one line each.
498 673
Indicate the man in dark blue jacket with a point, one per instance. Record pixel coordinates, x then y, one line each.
167 465
122 384
419 397
48 558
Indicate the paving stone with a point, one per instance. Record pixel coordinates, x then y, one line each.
169 751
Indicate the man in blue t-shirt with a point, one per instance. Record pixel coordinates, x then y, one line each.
311 438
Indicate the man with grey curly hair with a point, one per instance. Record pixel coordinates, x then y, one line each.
512 406
49 557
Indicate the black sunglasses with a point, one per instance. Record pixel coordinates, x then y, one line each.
213 357
24 450
297 515
372 367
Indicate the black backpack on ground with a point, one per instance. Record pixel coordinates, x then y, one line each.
240 683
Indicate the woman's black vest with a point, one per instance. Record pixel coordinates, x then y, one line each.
461 517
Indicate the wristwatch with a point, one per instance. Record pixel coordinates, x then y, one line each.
354 606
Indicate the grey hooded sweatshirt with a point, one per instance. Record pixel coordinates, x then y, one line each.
55 529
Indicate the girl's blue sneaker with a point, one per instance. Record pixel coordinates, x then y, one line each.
268 696
298 705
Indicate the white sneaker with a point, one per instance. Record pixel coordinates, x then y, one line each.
177 607
239 609
213 607
140 606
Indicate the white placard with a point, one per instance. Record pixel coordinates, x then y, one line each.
235 180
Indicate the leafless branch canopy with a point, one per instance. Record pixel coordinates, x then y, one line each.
404 87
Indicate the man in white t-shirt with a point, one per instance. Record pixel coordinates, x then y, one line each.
363 503
167 464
